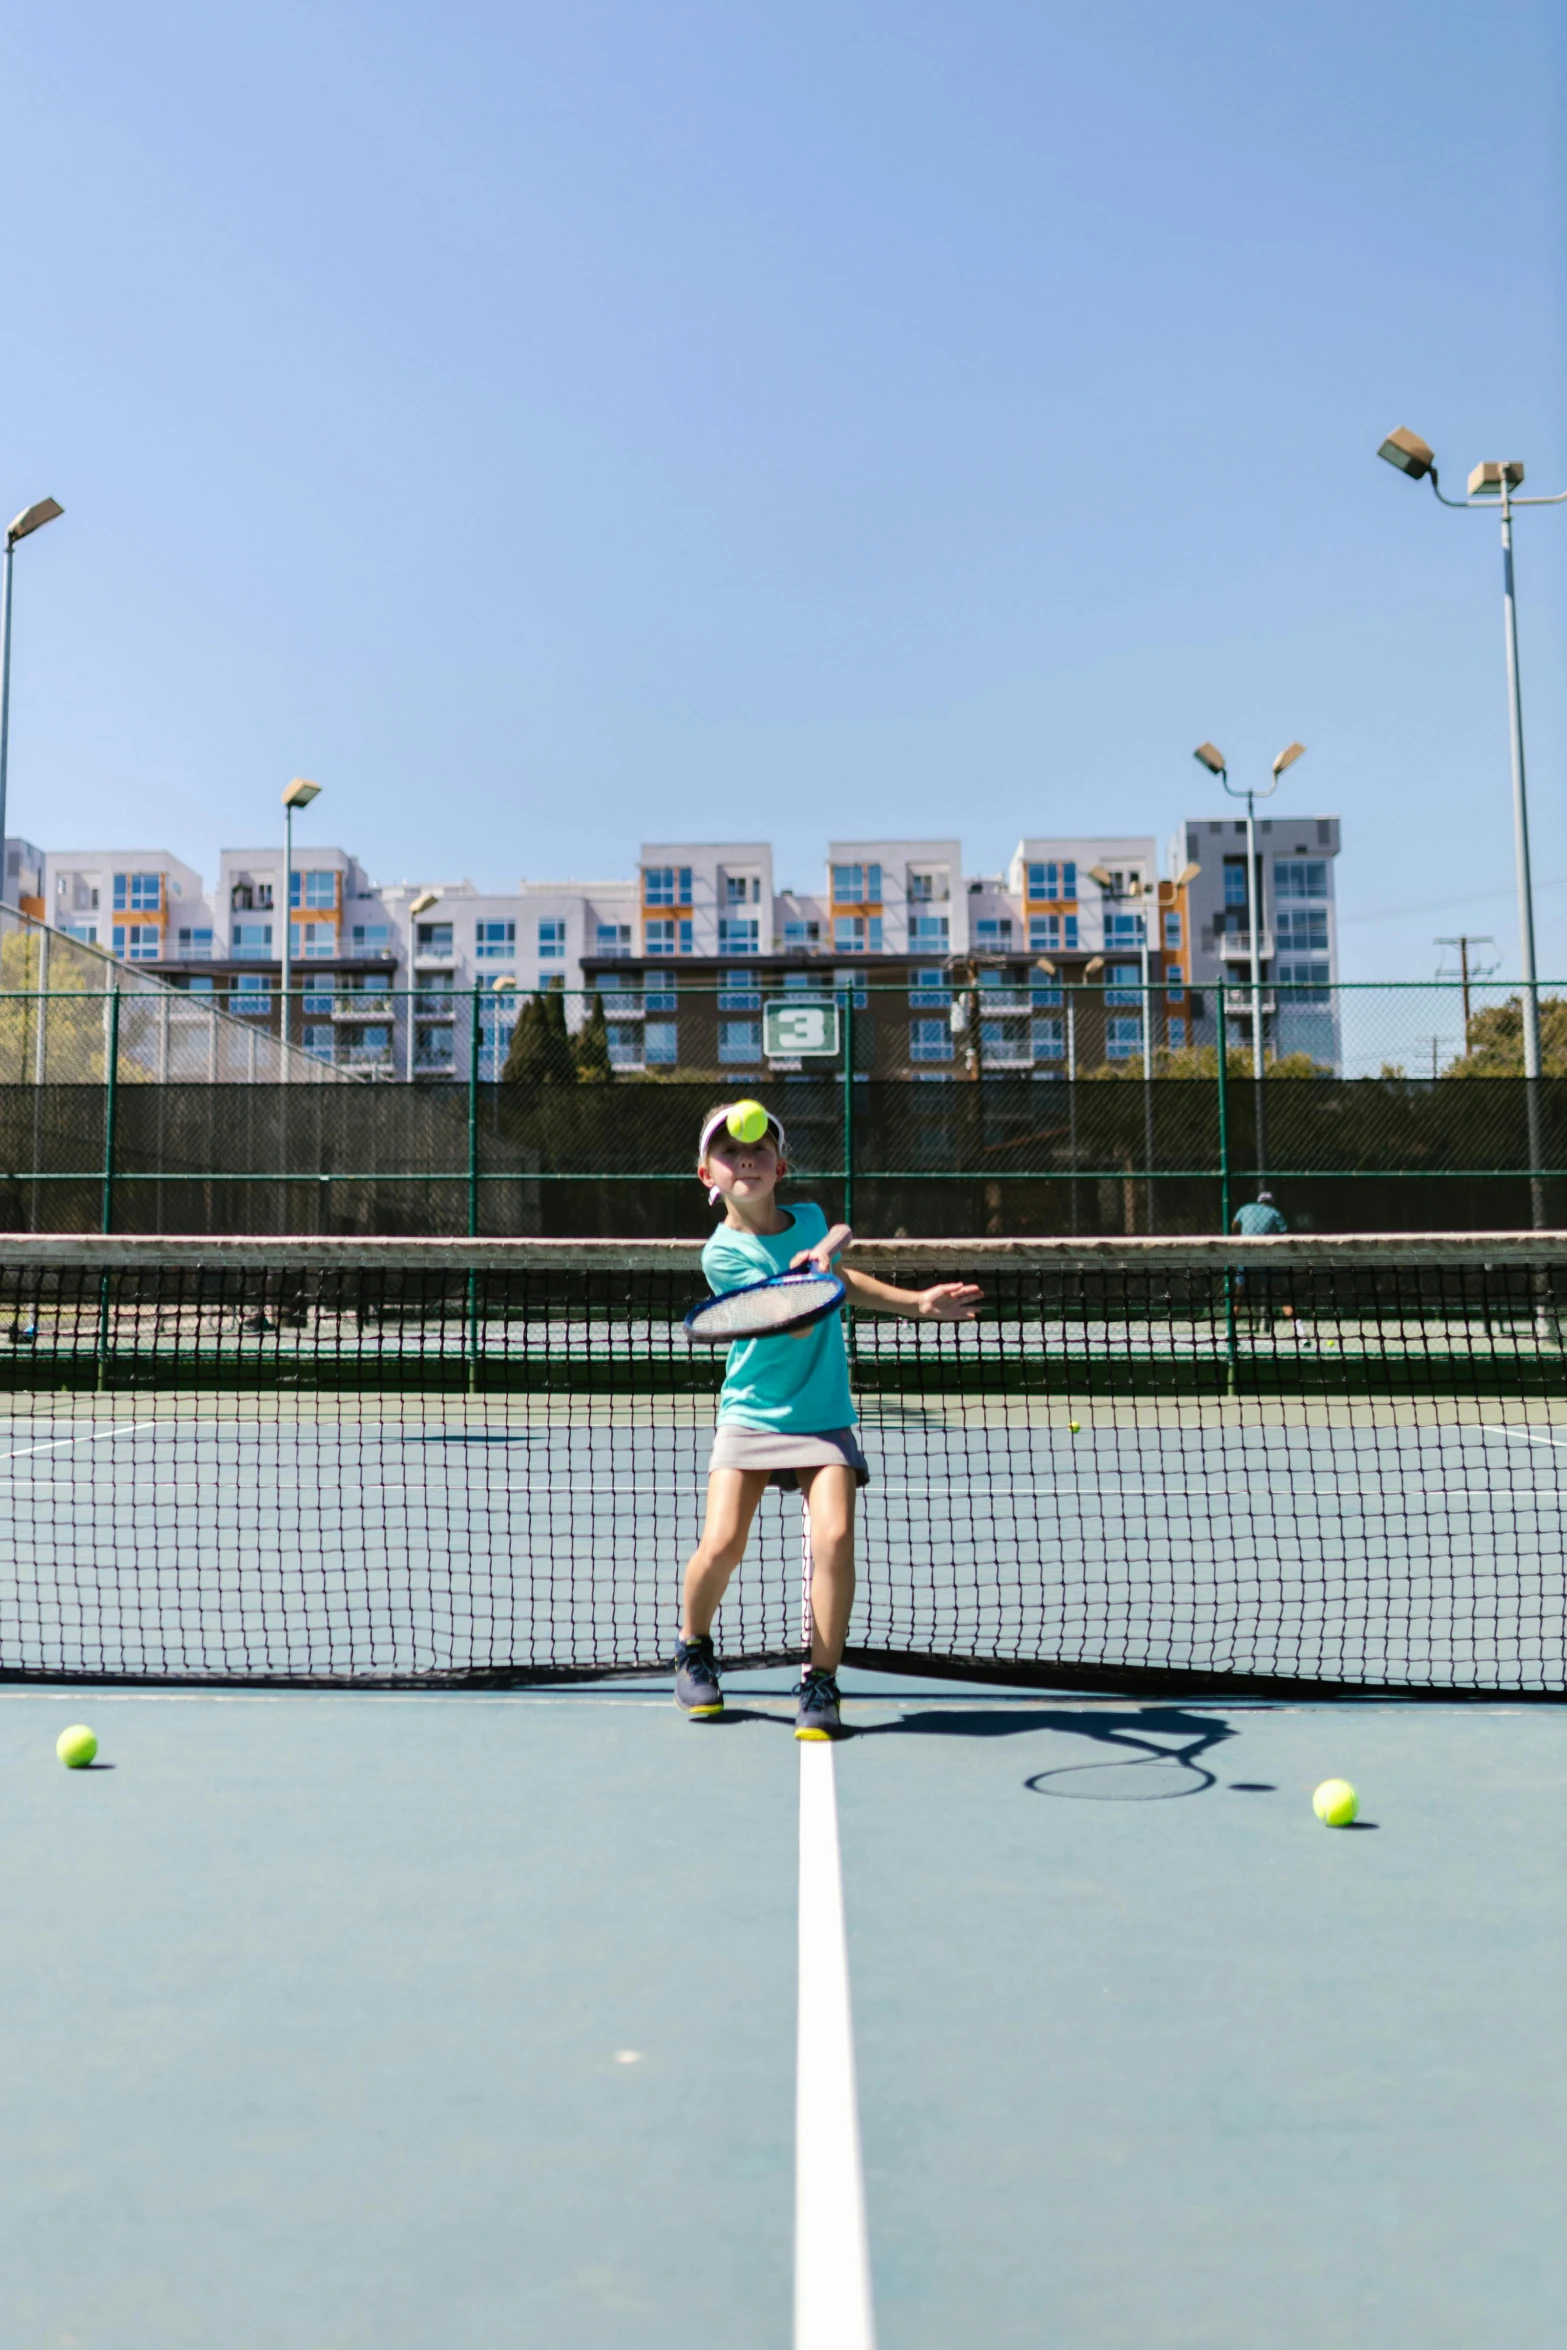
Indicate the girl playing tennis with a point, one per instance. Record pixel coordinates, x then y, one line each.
785 1416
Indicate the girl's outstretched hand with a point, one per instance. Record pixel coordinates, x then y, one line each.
949 1301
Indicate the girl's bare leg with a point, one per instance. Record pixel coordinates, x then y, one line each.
830 1497
732 1496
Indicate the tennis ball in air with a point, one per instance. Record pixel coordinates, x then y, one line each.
76 1747
1074 1427
747 1121
1335 1803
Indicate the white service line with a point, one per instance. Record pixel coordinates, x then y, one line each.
98 1435
1520 1435
832 2269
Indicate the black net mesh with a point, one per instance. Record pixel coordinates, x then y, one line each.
1311 1465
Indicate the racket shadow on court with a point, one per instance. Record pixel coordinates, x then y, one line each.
1157 1752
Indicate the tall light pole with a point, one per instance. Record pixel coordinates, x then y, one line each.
299 794
30 519
1498 479
1210 756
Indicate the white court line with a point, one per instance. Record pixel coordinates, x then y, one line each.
832 2270
20 1451
1522 1435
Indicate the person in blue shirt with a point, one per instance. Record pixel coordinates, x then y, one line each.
1254 1217
785 1415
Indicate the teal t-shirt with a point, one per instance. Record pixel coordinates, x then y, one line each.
1258 1218
797 1384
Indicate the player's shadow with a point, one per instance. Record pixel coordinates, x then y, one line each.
1157 1752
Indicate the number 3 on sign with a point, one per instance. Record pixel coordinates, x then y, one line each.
800 1030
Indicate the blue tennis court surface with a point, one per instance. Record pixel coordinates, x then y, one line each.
347 2019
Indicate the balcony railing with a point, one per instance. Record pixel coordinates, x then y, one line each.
1235 947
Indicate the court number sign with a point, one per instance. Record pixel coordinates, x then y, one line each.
800 1031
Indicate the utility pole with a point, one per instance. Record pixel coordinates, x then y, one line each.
1463 943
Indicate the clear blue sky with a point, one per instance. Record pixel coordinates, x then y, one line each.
555 426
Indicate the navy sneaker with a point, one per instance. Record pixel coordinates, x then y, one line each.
818 1716
696 1680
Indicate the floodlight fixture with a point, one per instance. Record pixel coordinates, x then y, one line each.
1486 480
300 793
1287 758
422 903
1099 874
1187 874
33 518
1409 453
503 984
1094 963
1210 756
1043 963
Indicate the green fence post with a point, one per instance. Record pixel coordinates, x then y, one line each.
847 1001
473 1184
111 1105
1224 1182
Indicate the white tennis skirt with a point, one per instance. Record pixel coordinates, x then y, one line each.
776 1451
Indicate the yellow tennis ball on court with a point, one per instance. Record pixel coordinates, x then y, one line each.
76 1746
747 1121
1335 1803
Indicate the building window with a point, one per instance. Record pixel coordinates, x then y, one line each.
856 885
87 932
1307 982
1122 988
372 938
370 1047
929 934
251 993
137 893
1177 1035
138 942
496 942
614 938
1044 992
1305 878
857 934
845 980
1174 980
200 986
739 1040
1057 882
801 934
195 946
1235 882
930 1040
661 1047
433 938
666 885
738 993
312 889
1049 1040
993 933
625 1045
317 1039
929 991
1172 934
315 1003
1303 930
1123 930
667 938
742 889
435 1048
738 934
251 942
1050 934
928 888
314 942
1123 1039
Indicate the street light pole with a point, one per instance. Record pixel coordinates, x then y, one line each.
1499 479
1208 755
30 519
299 794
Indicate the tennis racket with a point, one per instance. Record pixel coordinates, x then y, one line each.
765 1309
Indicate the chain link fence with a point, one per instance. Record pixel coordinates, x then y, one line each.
127 1105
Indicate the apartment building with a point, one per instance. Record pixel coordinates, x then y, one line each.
1081 954
1293 894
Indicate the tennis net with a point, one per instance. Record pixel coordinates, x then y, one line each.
1277 1464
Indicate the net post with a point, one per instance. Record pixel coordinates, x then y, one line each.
111 1101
